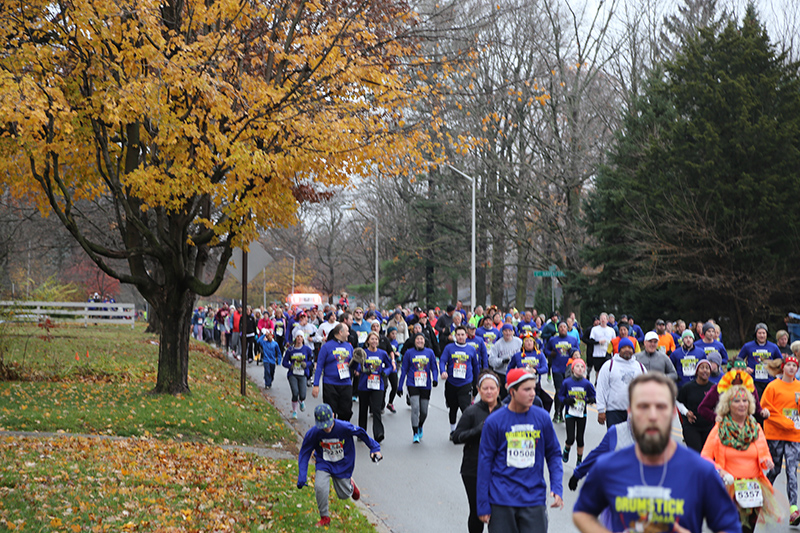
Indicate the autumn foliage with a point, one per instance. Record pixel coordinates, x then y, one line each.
164 133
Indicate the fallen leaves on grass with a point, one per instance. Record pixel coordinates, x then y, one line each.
82 484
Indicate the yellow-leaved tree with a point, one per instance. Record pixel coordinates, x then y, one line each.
162 133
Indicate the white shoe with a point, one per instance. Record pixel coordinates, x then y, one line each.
294 414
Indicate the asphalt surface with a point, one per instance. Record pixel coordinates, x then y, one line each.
417 488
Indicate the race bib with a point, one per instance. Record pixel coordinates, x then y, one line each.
748 493
332 451
761 372
577 409
420 378
279 332
689 365
520 452
374 382
794 416
460 370
298 370
344 370
362 336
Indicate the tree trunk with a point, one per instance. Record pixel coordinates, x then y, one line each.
175 313
153 323
522 277
430 287
498 267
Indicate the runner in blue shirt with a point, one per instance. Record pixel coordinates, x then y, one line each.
516 441
575 394
419 371
299 360
685 358
371 374
480 346
333 367
459 367
647 487
331 442
756 353
709 344
488 333
559 349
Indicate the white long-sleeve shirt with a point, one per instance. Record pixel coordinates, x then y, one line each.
502 352
612 383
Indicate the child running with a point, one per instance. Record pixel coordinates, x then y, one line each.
576 393
335 454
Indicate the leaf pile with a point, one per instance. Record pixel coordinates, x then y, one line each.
98 485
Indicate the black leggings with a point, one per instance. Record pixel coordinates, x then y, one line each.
457 398
393 382
571 423
474 524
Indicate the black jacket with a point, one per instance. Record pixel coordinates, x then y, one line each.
468 432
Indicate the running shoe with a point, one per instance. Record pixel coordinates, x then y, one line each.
294 414
794 519
391 408
565 456
302 406
356 493
416 438
324 521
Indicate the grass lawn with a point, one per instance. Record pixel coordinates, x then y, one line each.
168 475
98 380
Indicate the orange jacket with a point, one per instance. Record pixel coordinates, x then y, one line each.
781 399
747 464
667 342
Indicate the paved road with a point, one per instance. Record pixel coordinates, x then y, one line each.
417 487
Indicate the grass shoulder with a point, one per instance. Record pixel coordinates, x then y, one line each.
98 380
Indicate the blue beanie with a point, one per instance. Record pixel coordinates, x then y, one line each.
625 342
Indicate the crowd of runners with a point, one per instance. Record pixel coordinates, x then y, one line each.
739 412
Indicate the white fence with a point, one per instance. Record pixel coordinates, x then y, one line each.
85 312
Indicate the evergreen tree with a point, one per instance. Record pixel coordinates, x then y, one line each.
692 16
697 209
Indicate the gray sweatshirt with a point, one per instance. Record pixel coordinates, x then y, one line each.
657 362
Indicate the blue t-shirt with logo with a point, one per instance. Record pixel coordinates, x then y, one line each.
460 363
756 355
686 363
513 451
690 492
480 349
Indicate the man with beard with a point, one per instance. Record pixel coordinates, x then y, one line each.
645 486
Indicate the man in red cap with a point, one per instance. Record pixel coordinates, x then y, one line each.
516 441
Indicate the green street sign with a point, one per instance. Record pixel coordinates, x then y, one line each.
552 273
548 274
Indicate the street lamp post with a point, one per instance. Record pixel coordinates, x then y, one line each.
377 234
473 291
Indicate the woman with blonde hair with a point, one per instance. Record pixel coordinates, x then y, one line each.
738 448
